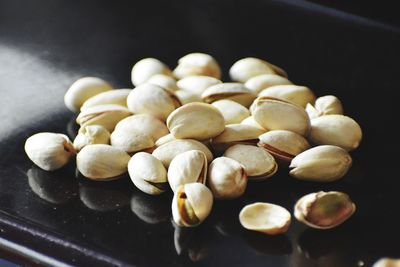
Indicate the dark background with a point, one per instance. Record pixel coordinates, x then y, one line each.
350 50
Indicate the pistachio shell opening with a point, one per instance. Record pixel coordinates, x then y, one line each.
91 134
387 262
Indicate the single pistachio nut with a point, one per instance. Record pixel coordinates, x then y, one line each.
116 97
321 164
197 64
148 173
197 84
187 167
232 111
146 68
186 97
257 162
49 151
83 89
102 162
131 141
336 130
152 99
251 121
276 114
90 135
299 95
191 205
170 150
165 139
260 82
325 105
324 210
283 145
265 218
164 81
387 262
199 121
233 91
227 178
105 115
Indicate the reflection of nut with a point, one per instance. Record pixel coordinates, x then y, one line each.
150 209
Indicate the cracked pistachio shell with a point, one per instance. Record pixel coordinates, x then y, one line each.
387 262
165 139
170 150
191 205
197 84
283 145
233 91
131 141
260 82
336 130
198 121
257 162
116 97
250 121
325 105
83 89
91 134
227 178
102 162
324 210
105 115
146 68
197 64
164 81
246 68
186 97
275 114
321 164
153 100
49 151
265 218
232 111
187 167
299 95
147 173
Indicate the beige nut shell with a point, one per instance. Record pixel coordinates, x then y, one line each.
233 112
145 68
233 91
115 97
299 95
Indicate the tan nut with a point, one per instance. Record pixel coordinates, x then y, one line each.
233 91
131 141
260 82
186 97
197 84
146 68
197 64
164 81
299 95
165 139
325 105
143 123
250 121
387 262
232 111
90 135
116 97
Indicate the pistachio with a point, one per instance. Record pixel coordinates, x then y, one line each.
165 139
260 82
147 173
49 151
116 97
131 142
187 167
283 145
91 134
324 210
186 97
387 262
197 64
275 114
250 121
257 162
196 121
232 111
102 162
336 130
321 164
227 178
152 99
144 69
325 105
105 115
299 95
164 81
197 84
82 89
168 151
232 91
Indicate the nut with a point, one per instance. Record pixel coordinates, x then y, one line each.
197 84
250 121
102 162
148 173
165 139
83 89
196 121
265 218
227 178
325 105
116 97
387 262
260 82
232 111
164 81
299 95
324 210
131 142
336 130
197 64
232 91
187 167
257 162
321 164
186 97
144 69
152 99
91 134
49 151
191 205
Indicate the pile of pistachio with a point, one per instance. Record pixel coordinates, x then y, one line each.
206 139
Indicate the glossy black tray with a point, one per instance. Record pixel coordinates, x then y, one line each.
56 218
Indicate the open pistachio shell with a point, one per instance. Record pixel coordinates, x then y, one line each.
246 68
164 81
197 84
116 97
324 210
325 105
260 82
232 111
91 134
299 95
233 91
265 218
197 64
131 141
146 68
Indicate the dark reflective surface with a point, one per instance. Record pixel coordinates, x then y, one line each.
46 45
